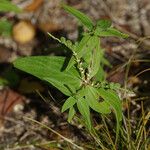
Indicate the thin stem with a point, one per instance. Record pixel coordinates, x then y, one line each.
109 136
79 63
50 129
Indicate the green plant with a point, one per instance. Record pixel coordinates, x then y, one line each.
5 25
82 78
7 6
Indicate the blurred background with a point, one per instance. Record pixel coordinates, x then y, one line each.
25 34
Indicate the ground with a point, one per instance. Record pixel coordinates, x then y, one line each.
27 99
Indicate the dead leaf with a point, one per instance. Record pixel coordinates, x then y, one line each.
133 80
34 5
49 27
5 54
8 101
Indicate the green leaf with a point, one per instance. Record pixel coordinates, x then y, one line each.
101 75
114 101
106 62
87 52
96 58
5 27
49 69
68 103
80 48
71 114
87 59
104 24
7 6
71 63
84 44
3 82
110 32
112 98
85 111
89 47
92 97
85 20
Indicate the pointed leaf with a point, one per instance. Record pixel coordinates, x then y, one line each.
92 97
104 24
97 55
91 44
68 103
71 114
114 101
79 49
49 69
101 75
85 20
85 111
80 45
71 63
87 52
112 98
106 62
110 32
84 47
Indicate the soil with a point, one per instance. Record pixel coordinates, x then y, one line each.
22 101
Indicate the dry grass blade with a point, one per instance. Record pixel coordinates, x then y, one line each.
142 130
142 72
64 138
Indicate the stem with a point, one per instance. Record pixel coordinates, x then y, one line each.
79 63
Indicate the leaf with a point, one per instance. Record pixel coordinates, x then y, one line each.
7 6
49 69
85 111
79 50
96 58
110 32
71 114
104 24
87 59
106 62
92 97
101 75
5 27
89 47
85 20
68 103
112 98
83 46
114 101
3 82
